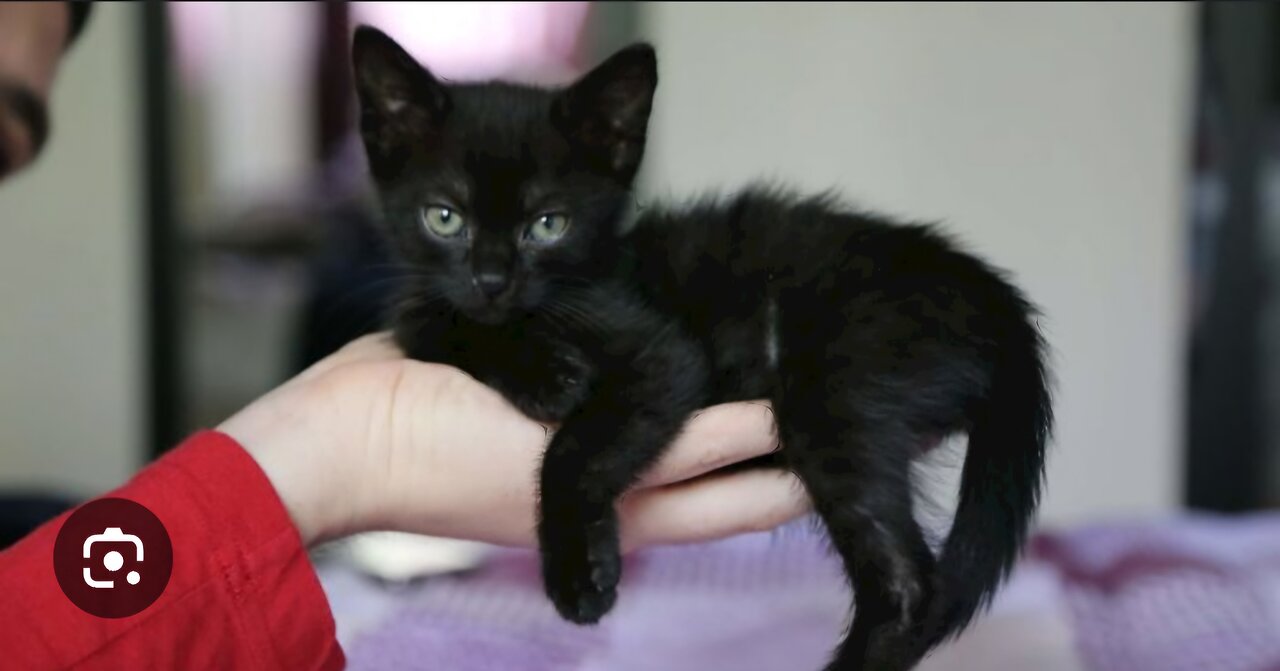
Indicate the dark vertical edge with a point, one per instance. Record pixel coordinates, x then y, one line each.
1225 457
333 79
161 280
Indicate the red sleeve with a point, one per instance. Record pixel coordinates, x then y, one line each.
242 594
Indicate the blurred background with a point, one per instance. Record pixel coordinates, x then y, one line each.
197 230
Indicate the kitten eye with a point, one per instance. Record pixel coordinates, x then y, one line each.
548 228
442 221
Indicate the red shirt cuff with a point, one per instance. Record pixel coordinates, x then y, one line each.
242 594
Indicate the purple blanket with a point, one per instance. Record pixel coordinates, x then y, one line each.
1191 594
1196 593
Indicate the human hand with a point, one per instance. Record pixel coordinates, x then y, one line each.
368 440
32 38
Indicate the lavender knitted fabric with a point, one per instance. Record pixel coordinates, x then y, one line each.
688 608
1192 593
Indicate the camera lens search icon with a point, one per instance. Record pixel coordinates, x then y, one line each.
112 557
113 560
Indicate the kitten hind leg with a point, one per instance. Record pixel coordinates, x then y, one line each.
858 479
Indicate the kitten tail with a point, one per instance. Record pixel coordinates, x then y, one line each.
999 489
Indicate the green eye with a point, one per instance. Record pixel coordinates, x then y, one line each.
548 227
442 221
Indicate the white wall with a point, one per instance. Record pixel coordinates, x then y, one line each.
1052 138
70 269
246 69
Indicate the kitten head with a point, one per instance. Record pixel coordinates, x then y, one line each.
501 196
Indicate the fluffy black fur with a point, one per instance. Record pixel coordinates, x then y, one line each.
870 337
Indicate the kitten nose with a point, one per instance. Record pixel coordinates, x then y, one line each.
491 284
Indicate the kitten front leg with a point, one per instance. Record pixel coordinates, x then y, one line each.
425 336
544 377
602 449
578 530
545 383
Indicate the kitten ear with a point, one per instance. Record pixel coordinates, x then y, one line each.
401 103
606 112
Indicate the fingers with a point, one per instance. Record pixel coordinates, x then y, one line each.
16 146
714 438
32 40
717 506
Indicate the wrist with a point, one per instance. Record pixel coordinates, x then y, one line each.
283 436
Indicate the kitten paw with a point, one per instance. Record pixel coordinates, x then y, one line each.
581 601
581 577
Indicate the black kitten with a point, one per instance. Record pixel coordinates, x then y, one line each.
869 337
